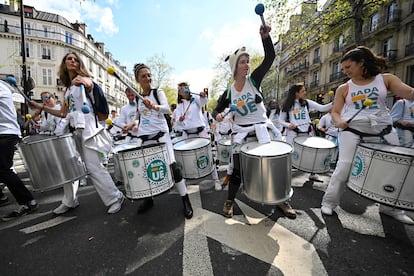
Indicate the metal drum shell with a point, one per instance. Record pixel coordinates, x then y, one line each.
194 157
267 176
145 170
313 154
384 173
224 150
51 161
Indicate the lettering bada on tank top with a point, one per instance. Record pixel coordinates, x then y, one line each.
357 94
248 111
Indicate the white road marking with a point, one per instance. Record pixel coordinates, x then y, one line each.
45 225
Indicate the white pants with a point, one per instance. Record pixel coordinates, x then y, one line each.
100 177
347 142
406 138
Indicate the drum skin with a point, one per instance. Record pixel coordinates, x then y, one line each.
384 173
313 154
267 171
145 170
51 160
194 157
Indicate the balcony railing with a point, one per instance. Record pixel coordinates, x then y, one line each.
314 83
336 76
382 22
46 57
316 60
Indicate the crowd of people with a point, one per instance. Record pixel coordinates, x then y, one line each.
241 113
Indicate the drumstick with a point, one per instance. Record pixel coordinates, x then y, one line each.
109 122
233 107
367 102
112 72
29 117
12 81
259 9
85 106
188 107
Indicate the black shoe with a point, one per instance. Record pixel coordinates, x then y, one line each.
146 205
4 200
287 210
21 211
188 209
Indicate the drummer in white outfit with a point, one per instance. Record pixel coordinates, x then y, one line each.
191 119
153 129
91 138
402 114
373 124
295 115
128 114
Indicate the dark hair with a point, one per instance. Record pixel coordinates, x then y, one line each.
63 71
373 64
138 67
291 97
275 104
179 97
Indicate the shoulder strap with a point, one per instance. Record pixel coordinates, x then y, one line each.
155 90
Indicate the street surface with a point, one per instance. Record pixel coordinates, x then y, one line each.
258 240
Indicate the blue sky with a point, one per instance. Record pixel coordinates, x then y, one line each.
191 35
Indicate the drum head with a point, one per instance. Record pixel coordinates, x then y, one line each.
314 142
125 147
191 143
389 148
225 142
274 148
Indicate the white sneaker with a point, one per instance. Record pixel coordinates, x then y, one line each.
62 208
326 210
315 177
217 185
397 214
116 206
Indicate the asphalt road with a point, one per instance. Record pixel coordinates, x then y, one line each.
258 240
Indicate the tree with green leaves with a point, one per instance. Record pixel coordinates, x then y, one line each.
160 70
330 21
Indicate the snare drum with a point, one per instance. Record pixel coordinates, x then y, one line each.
384 174
194 157
312 154
224 150
51 161
267 171
145 170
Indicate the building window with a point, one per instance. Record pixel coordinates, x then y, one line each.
46 31
69 38
386 47
46 52
315 79
317 55
47 76
27 29
410 77
391 12
374 22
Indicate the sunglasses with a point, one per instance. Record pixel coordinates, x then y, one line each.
45 98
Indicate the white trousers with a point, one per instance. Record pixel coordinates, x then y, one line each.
100 177
347 143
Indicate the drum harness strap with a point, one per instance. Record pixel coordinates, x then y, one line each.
225 133
361 134
148 137
199 129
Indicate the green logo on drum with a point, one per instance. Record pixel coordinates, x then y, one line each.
202 162
157 170
295 155
130 174
357 166
135 163
225 153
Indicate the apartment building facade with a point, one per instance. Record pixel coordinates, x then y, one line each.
48 37
389 32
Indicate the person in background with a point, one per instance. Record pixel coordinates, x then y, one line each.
10 135
295 116
273 113
373 124
250 114
327 127
191 120
153 129
91 139
113 114
128 114
402 114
